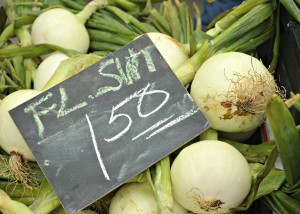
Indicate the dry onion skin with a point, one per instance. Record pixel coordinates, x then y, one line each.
210 177
232 89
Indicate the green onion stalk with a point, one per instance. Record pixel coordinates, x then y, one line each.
106 22
292 7
34 51
160 21
171 14
7 33
17 192
13 70
275 58
24 68
233 16
186 21
287 138
175 20
161 179
128 6
253 153
293 101
10 206
263 180
41 200
113 26
45 200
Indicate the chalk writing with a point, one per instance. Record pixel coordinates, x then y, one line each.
96 148
33 108
64 99
144 93
36 114
173 122
157 124
132 72
105 69
138 94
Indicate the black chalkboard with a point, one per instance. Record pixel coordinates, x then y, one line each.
108 123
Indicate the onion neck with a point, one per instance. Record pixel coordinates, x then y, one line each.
89 9
24 36
186 72
209 134
163 187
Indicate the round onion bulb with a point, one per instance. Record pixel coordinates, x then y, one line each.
210 176
133 198
11 139
232 89
46 69
172 51
60 27
138 198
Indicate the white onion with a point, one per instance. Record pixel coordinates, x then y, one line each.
134 198
11 139
60 27
210 177
138 198
232 90
46 69
173 51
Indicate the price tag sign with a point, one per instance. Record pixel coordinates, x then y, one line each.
104 125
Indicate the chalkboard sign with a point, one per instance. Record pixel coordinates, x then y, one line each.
92 132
